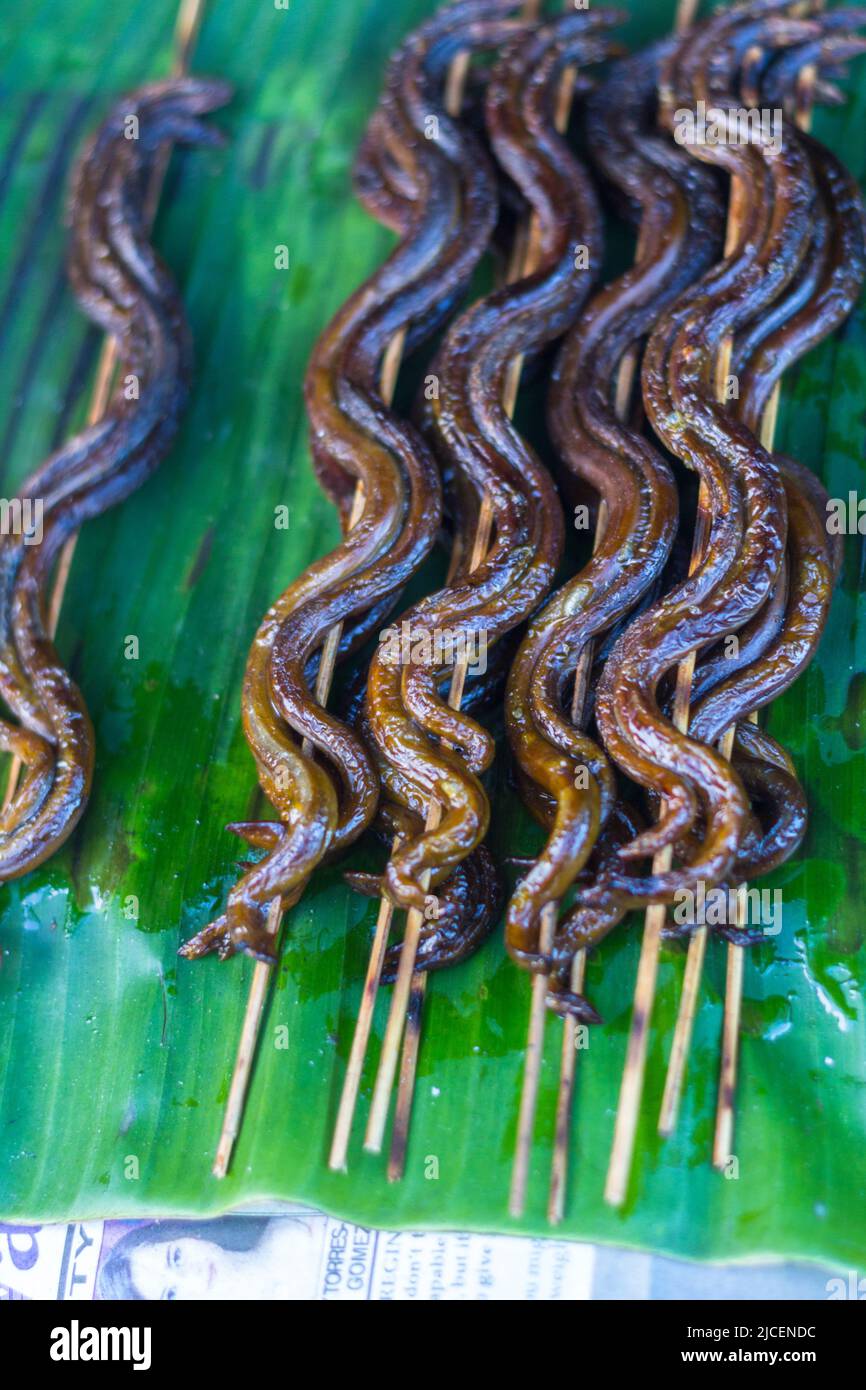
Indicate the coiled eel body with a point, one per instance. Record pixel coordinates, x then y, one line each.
126 290
744 491
781 639
680 209
424 174
429 751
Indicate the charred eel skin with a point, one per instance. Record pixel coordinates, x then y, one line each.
427 750
440 194
126 290
680 209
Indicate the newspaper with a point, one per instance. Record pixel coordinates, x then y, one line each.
296 1253
300 1254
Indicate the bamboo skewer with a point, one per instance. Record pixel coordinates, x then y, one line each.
724 1135
406 1078
409 986
625 384
631 1090
454 89
698 940
632 1084
360 1038
564 1100
533 1057
234 1111
630 1097
685 17
521 262
400 996
391 362
415 1005
404 1017
262 970
683 1030
414 992
538 1012
186 32
188 26
624 405
534 1051
538 1001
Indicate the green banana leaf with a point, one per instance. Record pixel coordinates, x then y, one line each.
115 1057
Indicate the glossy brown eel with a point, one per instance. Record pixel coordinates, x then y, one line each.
744 490
681 213
440 194
427 750
127 291
816 299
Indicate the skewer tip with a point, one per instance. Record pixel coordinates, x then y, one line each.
223 1158
616 1185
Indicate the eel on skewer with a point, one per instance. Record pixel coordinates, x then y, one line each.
746 508
785 634
126 290
819 300
833 279
681 213
468 905
778 645
586 924
427 750
424 174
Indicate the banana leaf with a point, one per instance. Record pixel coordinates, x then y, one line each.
115 1057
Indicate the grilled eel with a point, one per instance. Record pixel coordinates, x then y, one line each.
746 509
427 750
127 291
602 914
465 909
439 193
781 646
681 212
780 642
